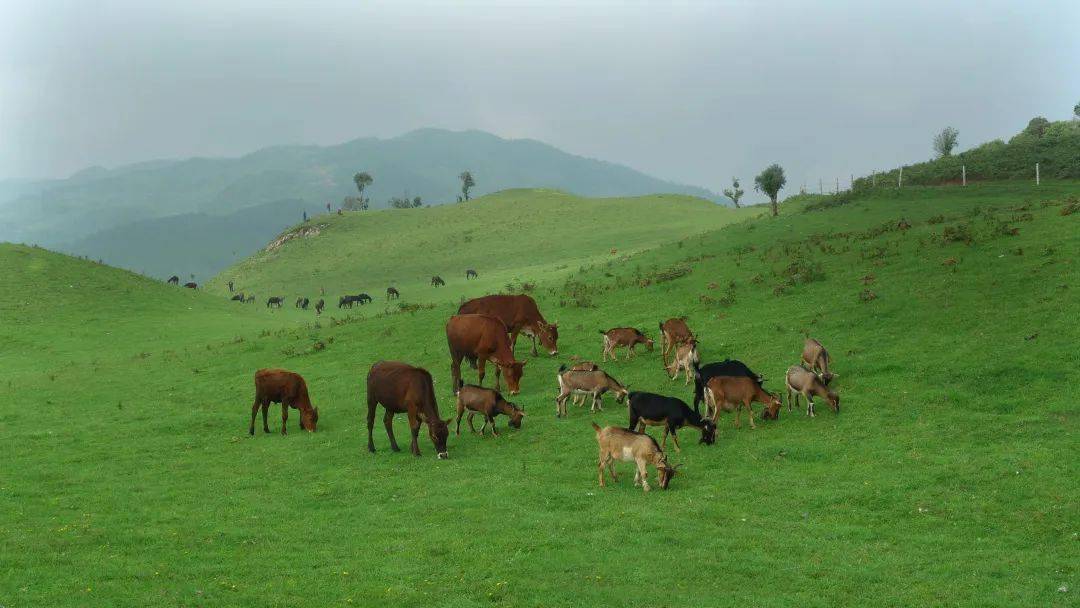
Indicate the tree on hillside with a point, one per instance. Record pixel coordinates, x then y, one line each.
362 180
416 202
355 203
945 142
734 193
466 183
770 181
1076 110
1037 126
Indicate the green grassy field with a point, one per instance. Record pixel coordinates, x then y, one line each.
949 477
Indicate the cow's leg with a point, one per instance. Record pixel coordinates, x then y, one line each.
265 408
254 414
284 416
372 404
388 422
414 431
480 364
534 353
455 373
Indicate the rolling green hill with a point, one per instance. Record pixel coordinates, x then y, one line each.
507 237
946 479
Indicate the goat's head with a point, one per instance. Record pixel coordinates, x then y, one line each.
708 432
772 407
665 471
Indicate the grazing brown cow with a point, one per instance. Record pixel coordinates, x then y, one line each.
191 285
392 294
816 358
623 336
487 403
673 332
802 381
733 393
480 338
288 389
520 315
402 388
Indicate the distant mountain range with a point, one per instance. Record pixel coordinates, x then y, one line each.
200 214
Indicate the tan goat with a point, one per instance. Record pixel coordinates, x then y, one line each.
686 357
816 358
617 443
593 382
623 336
802 381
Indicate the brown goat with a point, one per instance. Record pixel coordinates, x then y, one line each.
802 381
816 358
673 332
686 357
623 336
733 393
617 443
488 403
593 382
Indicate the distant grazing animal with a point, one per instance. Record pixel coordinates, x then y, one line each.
649 409
686 357
404 389
436 281
480 338
727 367
363 298
802 381
302 303
673 332
288 389
238 297
623 336
319 306
487 403
594 382
274 301
348 301
392 294
191 285
230 286
173 280
250 299
733 393
816 358
629 446
471 274
521 316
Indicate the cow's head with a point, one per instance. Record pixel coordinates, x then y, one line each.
439 430
548 333
513 372
309 418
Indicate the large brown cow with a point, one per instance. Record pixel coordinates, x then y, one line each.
288 389
520 315
673 332
402 388
480 338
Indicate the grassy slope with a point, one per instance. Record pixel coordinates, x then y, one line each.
947 480
505 236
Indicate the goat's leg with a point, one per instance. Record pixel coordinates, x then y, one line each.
494 431
643 472
611 469
675 438
472 427
809 404
600 468
663 442
750 413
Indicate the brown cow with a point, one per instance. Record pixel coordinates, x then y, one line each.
733 393
480 338
288 389
487 403
673 332
623 336
402 388
520 315
816 358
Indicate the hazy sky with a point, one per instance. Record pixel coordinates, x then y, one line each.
693 91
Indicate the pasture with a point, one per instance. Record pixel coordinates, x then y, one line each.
948 478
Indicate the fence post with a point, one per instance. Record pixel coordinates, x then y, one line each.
963 169
900 178
1036 174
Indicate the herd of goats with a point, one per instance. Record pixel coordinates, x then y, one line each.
485 331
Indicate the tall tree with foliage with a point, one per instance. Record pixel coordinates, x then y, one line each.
466 183
362 180
1076 110
770 182
734 192
945 142
1037 126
